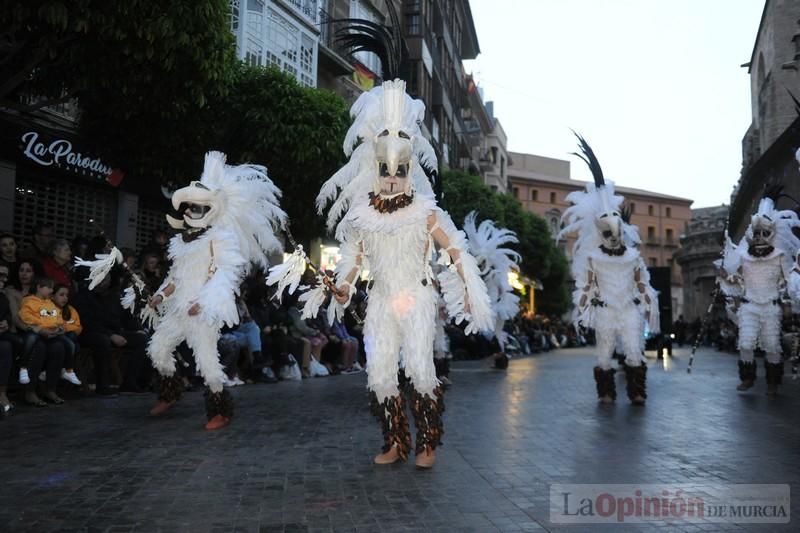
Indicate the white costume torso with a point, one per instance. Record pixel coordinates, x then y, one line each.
619 319
763 280
397 246
763 277
615 278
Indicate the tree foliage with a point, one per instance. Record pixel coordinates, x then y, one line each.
131 56
541 258
297 132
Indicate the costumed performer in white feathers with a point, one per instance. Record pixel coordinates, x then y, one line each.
612 290
227 221
495 261
384 213
754 275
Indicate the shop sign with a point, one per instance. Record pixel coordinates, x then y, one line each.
59 153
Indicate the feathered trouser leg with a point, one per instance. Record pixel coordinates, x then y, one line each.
636 377
169 388
428 410
218 403
391 414
774 372
604 379
747 370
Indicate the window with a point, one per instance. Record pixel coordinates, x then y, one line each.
493 187
552 197
360 10
651 233
412 24
669 212
502 167
670 235
650 210
534 195
633 208
653 262
516 192
265 36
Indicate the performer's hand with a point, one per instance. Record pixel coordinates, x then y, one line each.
342 296
466 305
194 309
118 340
155 301
3 326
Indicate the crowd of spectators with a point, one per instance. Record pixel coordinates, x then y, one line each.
56 335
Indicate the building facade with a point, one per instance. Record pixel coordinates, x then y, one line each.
769 145
47 176
542 184
700 247
279 33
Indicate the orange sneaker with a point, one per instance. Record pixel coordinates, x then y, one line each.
218 422
160 408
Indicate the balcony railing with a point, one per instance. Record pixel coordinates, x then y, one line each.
308 8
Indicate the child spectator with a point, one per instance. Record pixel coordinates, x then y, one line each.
43 346
71 323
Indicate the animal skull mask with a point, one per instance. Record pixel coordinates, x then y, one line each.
393 145
761 232
609 224
198 205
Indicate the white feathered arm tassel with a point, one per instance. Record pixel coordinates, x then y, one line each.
458 291
654 314
101 266
289 273
216 298
148 315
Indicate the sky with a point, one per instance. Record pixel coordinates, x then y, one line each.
655 86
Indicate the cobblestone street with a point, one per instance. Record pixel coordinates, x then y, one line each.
298 455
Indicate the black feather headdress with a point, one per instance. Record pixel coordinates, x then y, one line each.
361 35
587 154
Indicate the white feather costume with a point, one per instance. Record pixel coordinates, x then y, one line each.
619 308
487 243
761 281
397 247
237 231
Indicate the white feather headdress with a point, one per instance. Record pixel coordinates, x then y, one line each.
251 205
384 107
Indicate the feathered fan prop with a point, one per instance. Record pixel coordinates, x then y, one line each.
135 296
361 35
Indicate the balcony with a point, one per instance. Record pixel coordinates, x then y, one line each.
307 8
333 56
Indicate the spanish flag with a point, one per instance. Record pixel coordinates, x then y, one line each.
363 77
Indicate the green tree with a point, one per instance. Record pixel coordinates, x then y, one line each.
295 131
132 57
541 258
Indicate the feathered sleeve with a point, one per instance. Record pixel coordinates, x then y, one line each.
457 291
216 298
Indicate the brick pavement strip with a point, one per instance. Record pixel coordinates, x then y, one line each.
298 456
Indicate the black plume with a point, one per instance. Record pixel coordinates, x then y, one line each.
773 192
590 159
361 35
625 213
